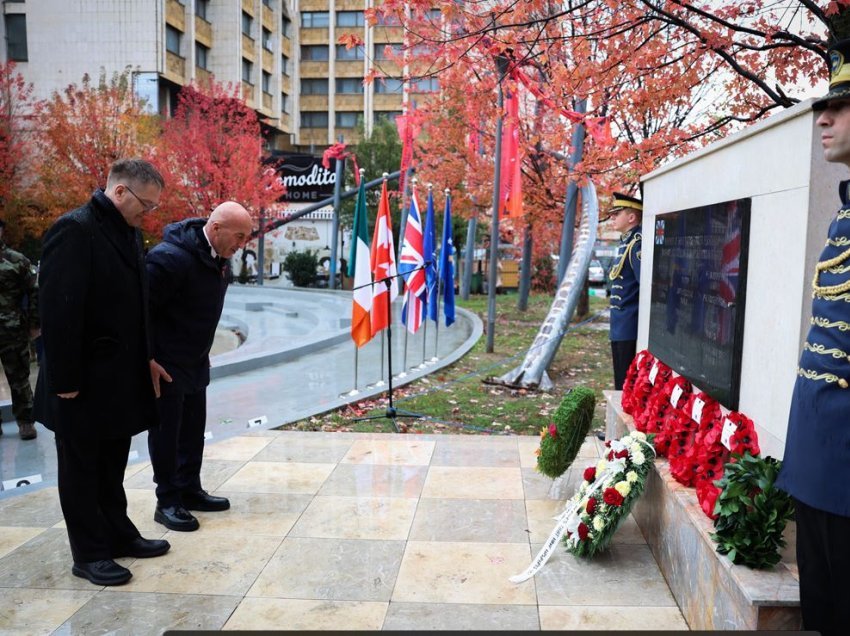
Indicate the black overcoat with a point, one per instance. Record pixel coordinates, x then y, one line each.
93 299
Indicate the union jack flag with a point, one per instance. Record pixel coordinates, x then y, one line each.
411 265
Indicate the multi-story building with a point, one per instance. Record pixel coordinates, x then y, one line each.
307 88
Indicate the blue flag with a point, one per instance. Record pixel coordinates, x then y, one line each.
447 267
429 252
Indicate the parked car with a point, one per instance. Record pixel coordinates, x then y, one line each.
595 273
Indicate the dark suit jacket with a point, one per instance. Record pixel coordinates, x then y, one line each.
93 299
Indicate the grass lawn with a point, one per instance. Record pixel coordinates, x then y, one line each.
458 398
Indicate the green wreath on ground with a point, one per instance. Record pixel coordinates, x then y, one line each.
751 512
562 439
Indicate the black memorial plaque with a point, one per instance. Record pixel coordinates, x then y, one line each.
699 274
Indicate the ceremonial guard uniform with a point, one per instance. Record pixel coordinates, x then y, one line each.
624 280
816 464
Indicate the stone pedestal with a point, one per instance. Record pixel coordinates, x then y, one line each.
711 591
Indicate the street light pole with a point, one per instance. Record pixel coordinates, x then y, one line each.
340 172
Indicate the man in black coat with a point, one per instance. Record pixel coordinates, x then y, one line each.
94 388
188 273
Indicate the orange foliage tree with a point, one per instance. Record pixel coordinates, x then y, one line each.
81 131
211 151
17 112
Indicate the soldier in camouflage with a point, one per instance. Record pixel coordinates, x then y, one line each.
18 324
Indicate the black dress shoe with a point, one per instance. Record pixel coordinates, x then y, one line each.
105 572
176 518
142 548
204 501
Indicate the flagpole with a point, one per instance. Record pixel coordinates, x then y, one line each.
448 194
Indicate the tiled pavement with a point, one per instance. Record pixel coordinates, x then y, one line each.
341 531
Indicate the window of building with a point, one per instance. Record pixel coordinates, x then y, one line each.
426 85
314 86
434 16
286 27
16 37
315 20
349 85
384 51
247 70
269 3
314 120
284 65
350 19
284 103
201 56
388 85
349 54
347 119
314 52
202 9
389 19
172 39
247 23
267 39
267 82
387 114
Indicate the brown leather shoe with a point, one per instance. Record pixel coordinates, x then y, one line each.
27 430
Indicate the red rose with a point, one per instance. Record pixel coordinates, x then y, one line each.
553 430
621 454
612 497
589 474
591 506
610 456
583 531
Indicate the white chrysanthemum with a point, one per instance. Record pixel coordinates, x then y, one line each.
623 487
636 447
602 465
638 459
625 440
598 523
639 436
631 476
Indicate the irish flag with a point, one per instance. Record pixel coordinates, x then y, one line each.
383 265
359 269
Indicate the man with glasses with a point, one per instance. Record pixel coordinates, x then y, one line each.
95 389
624 279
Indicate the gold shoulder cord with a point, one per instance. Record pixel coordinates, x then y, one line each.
830 290
618 268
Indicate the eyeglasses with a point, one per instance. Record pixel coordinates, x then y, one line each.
149 207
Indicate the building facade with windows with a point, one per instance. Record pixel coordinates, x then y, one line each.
284 54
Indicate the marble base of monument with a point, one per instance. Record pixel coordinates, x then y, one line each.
712 592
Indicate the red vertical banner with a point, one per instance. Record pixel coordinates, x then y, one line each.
510 180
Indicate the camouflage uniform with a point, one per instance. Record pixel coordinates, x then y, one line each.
18 315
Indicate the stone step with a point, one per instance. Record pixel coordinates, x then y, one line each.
711 591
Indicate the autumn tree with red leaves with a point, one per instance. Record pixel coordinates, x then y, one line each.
212 151
81 131
17 113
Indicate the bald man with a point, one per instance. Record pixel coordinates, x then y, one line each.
188 274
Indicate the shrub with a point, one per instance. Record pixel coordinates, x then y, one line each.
301 267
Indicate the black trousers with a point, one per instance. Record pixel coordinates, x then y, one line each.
823 559
177 447
622 352
91 493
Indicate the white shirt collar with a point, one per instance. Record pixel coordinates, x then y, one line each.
212 249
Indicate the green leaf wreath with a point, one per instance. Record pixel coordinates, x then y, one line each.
562 439
607 493
751 512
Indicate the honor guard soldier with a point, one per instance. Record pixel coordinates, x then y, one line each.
624 281
816 466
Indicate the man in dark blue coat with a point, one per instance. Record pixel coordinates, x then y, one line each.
816 465
188 273
624 280
94 388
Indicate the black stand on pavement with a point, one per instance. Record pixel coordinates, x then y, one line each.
391 413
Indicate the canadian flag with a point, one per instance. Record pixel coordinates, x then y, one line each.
384 290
